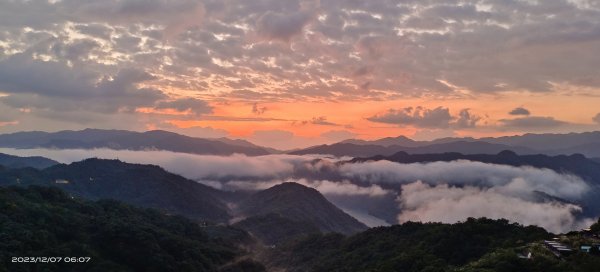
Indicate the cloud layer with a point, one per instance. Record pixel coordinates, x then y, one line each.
436 191
449 204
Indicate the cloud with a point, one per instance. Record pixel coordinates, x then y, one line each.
532 122
321 120
189 165
196 106
596 118
258 110
338 135
453 191
409 49
466 119
449 204
519 111
470 173
331 50
279 26
51 85
420 117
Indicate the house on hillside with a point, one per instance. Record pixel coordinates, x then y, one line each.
558 248
61 181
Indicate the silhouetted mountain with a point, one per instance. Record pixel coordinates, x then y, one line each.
274 228
466 147
549 141
348 149
574 164
140 185
122 139
359 150
388 141
22 162
299 203
586 143
105 236
589 149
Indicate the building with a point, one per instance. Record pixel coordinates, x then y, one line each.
558 248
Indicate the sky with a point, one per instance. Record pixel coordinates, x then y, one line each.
290 74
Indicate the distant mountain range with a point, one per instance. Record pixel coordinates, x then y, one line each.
130 140
22 162
587 143
362 150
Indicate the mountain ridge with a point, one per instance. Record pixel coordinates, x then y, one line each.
300 203
130 140
36 162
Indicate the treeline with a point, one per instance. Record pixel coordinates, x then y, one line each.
473 245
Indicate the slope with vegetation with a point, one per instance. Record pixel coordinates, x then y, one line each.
140 185
44 221
299 203
473 245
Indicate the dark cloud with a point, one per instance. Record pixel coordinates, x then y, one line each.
257 109
277 26
519 111
597 118
419 117
466 119
321 120
193 105
56 86
532 122
410 47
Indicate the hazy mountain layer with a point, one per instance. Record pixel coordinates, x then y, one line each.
21 162
360 150
122 139
586 143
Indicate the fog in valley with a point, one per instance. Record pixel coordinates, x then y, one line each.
381 192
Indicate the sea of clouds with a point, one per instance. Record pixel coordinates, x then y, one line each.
377 192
